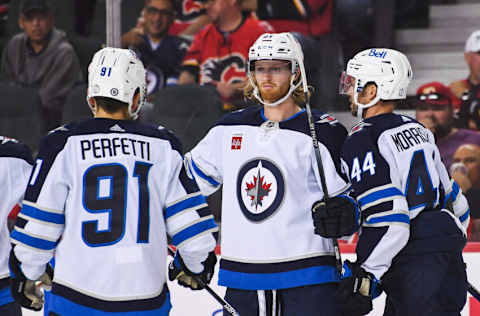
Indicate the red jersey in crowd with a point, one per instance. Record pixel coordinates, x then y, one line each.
221 56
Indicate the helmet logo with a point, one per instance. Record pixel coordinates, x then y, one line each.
114 92
380 54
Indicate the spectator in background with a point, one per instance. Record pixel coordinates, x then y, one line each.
434 109
191 17
161 53
219 51
469 87
42 58
465 170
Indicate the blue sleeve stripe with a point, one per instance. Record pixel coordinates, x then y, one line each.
33 241
400 218
455 191
42 215
203 175
193 230
465 216
380 194
185 204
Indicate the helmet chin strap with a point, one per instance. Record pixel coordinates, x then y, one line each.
256 93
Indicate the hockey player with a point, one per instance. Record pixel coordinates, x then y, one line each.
413 216
113 189
15 167
272 262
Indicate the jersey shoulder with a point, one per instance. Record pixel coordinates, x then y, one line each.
364 135
56 139
330 131
249 116
10 147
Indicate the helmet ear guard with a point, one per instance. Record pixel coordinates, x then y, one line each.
388 69
117 74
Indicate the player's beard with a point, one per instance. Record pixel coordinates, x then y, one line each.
273 94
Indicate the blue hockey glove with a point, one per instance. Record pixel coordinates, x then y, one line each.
25 291
195 281
356 290
337 218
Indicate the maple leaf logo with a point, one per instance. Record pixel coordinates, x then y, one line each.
257 189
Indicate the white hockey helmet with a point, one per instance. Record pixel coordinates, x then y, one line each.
389 69
279 46
117 73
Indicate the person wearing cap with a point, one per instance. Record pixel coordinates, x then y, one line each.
469 88
434 109
41 57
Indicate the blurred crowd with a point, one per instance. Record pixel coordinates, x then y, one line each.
195 53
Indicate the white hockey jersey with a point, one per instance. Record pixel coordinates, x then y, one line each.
15 167
102 197
396 172
270 181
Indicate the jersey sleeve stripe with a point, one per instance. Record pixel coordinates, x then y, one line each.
191 202
33 241
465 216
193 230
391 218
204 176
379 196
42 215
455 190
184 211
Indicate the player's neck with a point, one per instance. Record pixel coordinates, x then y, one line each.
282 111
379 109
119 115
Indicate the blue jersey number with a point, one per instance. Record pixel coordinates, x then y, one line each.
420 191
106 71
105 191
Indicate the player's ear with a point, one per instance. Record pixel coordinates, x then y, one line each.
21 20
370 91
93 105
136 100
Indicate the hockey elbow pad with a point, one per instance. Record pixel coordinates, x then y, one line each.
195 281
336 218
25 291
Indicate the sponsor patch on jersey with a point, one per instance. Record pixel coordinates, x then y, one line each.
236 142
260 189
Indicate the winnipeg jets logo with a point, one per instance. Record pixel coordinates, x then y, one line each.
4 140
358 127
325 118
260 189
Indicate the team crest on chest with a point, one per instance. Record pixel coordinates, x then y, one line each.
260 189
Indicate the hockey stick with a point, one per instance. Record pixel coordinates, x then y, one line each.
229 308
313 133
473 291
